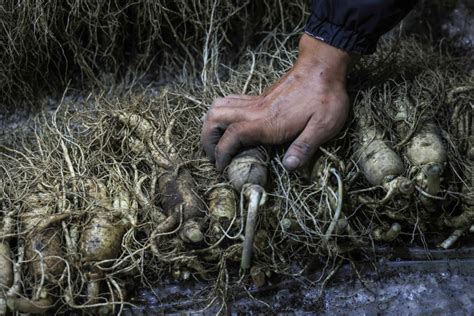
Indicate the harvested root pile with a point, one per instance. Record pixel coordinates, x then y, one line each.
112 192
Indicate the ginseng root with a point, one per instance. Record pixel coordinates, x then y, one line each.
176 187
380 164
222 210
248 174
181 204
43 250
101 239
6 274
427 154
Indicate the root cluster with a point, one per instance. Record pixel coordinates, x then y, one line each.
112 191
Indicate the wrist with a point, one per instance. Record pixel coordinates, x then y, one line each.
323 60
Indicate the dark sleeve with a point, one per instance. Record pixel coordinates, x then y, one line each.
355 25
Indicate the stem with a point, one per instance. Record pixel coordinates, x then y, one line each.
433 174
255 194
340 193
93 291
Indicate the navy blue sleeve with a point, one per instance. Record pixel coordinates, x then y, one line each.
355 25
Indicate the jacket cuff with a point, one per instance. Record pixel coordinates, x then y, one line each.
335 35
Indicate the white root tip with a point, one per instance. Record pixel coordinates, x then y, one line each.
254 193
448 243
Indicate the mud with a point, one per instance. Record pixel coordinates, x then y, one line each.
416 282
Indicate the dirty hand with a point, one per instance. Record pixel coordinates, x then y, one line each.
308 106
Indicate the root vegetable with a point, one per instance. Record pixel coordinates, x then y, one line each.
191 232
427 154
424 150
102 236
337 207
380 164
248 173
464 220
176 187
222 210
248 167
426 146
43 250
180 203
6 274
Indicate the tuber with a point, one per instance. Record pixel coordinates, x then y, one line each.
101 239
379 163
427 155
176 186
424 149
6 274
222 210
248 174
43 250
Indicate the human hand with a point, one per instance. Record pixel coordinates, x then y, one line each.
308 106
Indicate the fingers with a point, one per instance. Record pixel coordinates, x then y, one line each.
303 147
223 112
234 100
210 135
217 121
236 136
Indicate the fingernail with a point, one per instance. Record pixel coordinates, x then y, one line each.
291 162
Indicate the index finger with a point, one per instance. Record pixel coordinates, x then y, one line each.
216 122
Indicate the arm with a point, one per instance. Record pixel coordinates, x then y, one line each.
309 104
355 25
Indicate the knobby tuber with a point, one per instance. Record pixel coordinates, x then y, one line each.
101 239
427 155
424 148
379 163
43 250
222 210
176 185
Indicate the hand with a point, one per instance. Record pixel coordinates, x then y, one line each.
308 106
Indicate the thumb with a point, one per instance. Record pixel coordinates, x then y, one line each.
303 147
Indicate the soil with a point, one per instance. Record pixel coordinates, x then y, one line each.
415 281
